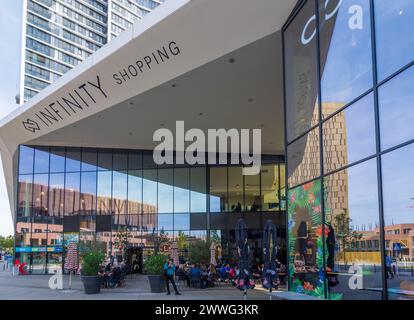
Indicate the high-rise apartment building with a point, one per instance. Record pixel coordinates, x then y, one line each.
59 34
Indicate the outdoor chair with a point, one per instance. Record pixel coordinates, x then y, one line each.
195 281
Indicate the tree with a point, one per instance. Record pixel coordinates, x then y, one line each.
344 232
6 243
200 252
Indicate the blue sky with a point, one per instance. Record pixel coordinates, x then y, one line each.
10 21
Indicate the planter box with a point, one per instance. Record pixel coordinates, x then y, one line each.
157 283
91 284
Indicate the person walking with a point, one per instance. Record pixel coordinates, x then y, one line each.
169 271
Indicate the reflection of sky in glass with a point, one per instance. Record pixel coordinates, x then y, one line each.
41 161
396 109
398 177
88 182
348 70
395 37
26 160
181 221
363 195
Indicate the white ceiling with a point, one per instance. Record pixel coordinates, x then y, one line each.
245 94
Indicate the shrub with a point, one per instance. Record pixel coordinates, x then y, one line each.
91 262
155 264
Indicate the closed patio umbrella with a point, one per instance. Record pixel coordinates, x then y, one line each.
71 261
174 253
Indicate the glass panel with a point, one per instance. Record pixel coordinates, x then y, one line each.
56 194
104 192
134 160
57 159
395 108
305 240
398 176
119 192
135 191
88 193
104 159
182 190
72 194
301 72
181 221
236 202
166 191
218 189
165 222
38 260
89 159
395 43
270 187
349 136
26 160
352 223
198 190
41 162
149 191
345 49
40 192
73 157
25 203
120 160
252 193
54 261
304 158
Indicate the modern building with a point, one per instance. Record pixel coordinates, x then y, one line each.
59 34
330 85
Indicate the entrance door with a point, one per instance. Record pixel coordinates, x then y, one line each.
134 260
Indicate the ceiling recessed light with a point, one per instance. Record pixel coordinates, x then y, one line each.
131 103
131 133
174 85
200 114
250 100
162 125
262 125
75 126
232 60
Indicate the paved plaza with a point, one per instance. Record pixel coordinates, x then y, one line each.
135 288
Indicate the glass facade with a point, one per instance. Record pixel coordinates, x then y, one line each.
88 194
61 34
348 92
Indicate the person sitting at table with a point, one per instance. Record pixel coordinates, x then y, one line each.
195 273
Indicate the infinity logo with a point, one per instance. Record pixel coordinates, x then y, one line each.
31 125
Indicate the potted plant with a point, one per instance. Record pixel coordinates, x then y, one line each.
154 267
91 263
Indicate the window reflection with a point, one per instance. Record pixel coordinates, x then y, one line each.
88 193
134 191
72 193
181 190
104 192
57 159
395 44
397 175
353 236
149 191
345 51
166 191
252 193
304 158
40 193
26 160
301 82
236 201
25 203
119 192
349 136
41 162
218 189
198 190
395 104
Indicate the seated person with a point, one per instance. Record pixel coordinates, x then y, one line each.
195 272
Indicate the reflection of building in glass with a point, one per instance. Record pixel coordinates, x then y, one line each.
399 243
